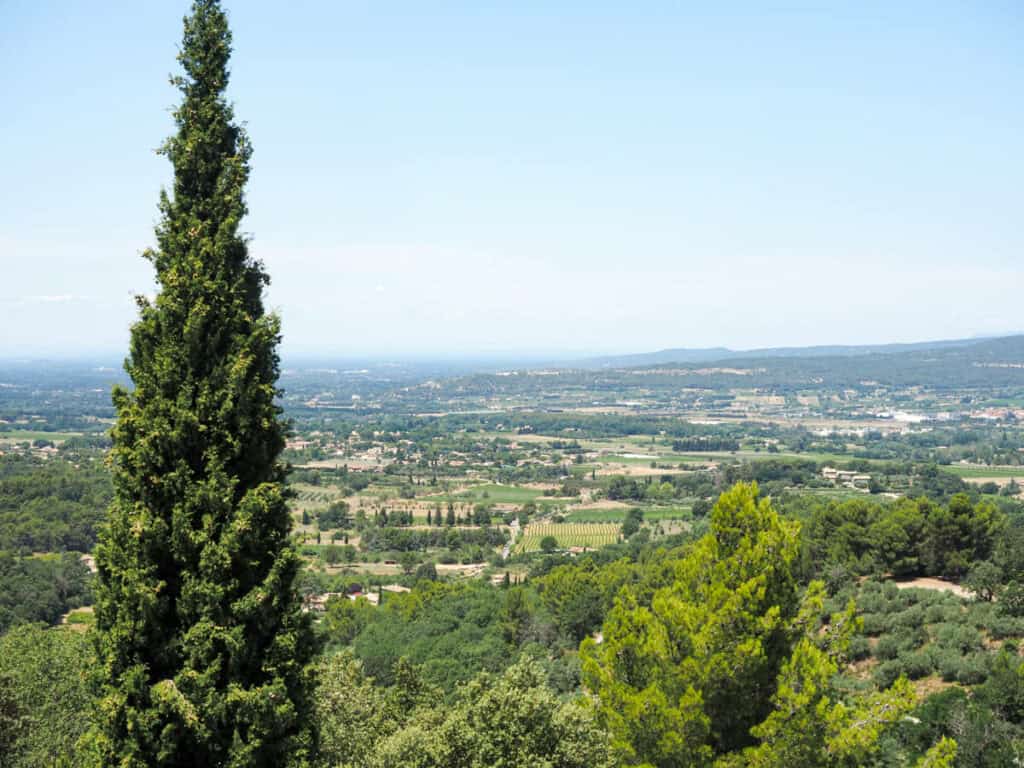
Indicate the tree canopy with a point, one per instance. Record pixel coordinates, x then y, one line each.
203 648
723 659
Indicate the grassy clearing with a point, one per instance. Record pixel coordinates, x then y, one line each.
499 494
668 513
82 616
596 515
590 535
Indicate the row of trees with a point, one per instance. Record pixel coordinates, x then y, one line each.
409 539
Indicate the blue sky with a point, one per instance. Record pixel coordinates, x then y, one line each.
467 178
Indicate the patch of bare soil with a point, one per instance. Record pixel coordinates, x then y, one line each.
638 471
939 585
926 686
608 504
862 669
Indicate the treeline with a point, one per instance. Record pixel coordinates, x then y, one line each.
775 476
705 443
661 488
567 425
908 537
915 480
380 539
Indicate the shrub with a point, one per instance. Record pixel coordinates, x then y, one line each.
981 615
860 648
918 637
917 664
911 617
943 612
1012 600
887 673
887 648
870 599
948 662
874 624
1006 626
974 669
957 638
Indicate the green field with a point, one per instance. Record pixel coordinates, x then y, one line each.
973 470
381 490
499 494
590 535
600 515
666 458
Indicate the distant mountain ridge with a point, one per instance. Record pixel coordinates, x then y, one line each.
724 354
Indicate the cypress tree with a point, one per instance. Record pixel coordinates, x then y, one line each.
204 652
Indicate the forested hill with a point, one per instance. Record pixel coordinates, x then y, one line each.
723 354
987 363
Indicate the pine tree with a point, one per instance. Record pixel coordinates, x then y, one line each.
204 650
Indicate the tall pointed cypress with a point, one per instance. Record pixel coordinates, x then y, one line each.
204 651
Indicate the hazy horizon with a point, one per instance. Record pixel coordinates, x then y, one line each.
544 180
289 357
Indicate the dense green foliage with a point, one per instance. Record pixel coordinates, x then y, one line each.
203 649
41 589
987 725
708 622
51 505
452 631
376 538
718 658
511 720
905 538
46 674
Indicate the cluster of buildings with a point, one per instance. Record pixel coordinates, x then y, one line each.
318 603
846 478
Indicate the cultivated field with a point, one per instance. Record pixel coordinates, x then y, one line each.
984 473
589 535
618 514
12 436
499 494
